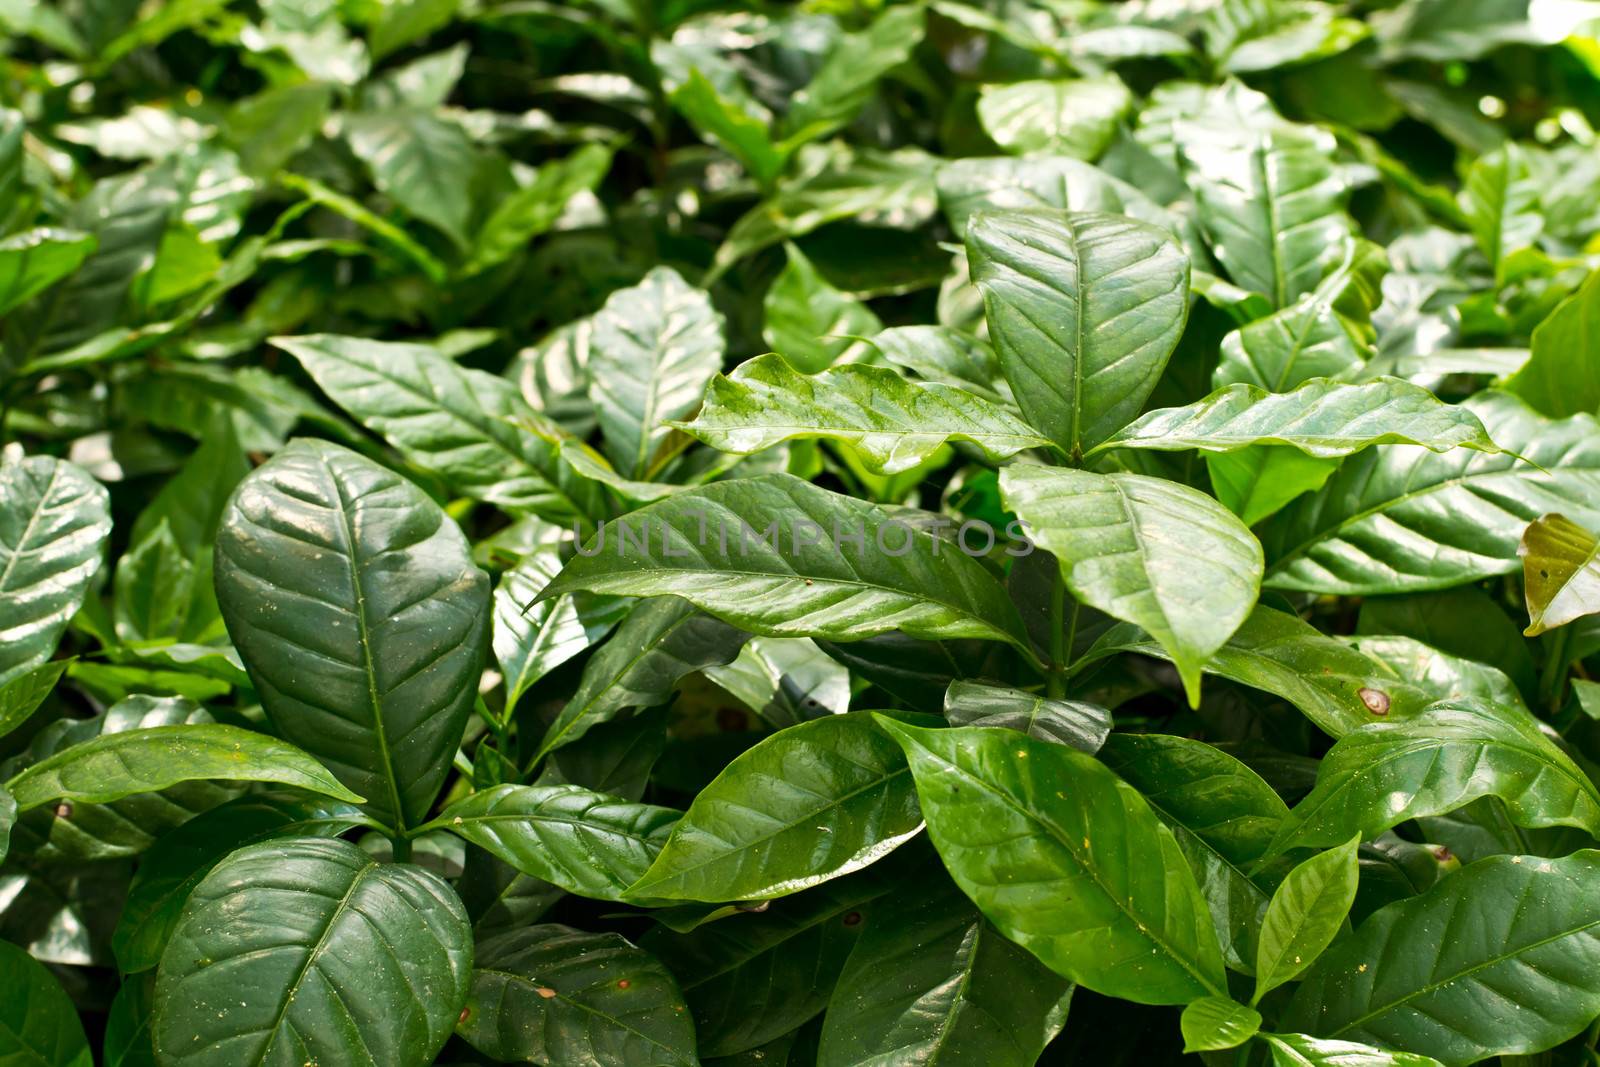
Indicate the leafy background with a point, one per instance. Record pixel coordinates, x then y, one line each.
329 327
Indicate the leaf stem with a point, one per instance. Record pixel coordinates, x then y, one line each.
1553 679
401 848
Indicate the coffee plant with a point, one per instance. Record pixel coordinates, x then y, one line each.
852 533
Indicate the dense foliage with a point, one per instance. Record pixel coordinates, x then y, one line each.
615 533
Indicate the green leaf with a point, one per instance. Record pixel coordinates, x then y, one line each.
1440 760
422 161
270 127
662 641
31 262
765 565
1270 200
585 842
176 863
359 614
725 122
535 206
145 761
851 72
1067 722
1298 1050
1211 1024
945 355
654 347
1151 552
1084 310
344 960
531 640
1561 572
810 803
1223 816
1256 482
1309 339
8 819
1441 675
755 976
809 322
394 236
1556 380
1075 117
38 1023
1066 860
1500 199
1246 36
22 695
469 427
1305 915
1521 983
1332 684
785 680
935 984
54 521
998 184
127 1041
1375 527
404 21
1321 418
893 424
552 994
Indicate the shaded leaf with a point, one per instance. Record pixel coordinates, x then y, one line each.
1067 722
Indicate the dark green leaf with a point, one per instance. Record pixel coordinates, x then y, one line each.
585 842
1084 310
1066 860
1521 983
1440 760
33 261
364 624
336 958
38 1023
1067 722
552 994
808 804
1556 380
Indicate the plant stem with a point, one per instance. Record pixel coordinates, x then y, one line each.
401 847
1061 639
1553 679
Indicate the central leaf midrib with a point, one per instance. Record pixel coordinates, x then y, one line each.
363 634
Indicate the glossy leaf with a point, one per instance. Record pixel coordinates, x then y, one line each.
1224 817
360 616
421 160
1438 761
934 983
810 803
22 695
144 761
1084 310
336 957
1257 481
1298 1050
1073 117
848 76
661 641
38 1023
810 323
1000 184
585 842
1500 199
892 424
1403 518
654 348
468 427
1561 572
531 640
1270 201
1066 860
177 862
533 208
1522 983
54 520
1147 551
1211 1024
552 994
1556 380
1321 418
794 584
32 261
1068 722
1305 915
